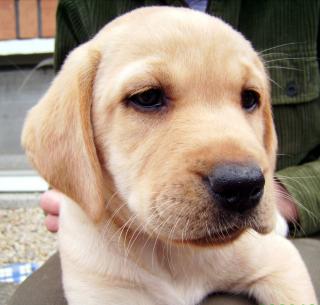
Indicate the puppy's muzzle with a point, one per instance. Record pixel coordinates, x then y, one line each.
237 188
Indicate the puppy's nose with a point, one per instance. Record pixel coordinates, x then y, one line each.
237 187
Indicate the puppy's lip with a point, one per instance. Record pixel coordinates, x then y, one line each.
218 238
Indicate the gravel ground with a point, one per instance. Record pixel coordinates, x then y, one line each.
23 237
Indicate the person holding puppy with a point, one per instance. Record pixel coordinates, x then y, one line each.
296 102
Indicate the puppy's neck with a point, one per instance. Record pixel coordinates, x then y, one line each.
120 246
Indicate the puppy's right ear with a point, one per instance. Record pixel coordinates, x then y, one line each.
58 135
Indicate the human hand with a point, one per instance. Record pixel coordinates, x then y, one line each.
286 205
50 203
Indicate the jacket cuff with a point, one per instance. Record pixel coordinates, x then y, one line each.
303 184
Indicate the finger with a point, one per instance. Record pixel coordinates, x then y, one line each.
50 202
52 223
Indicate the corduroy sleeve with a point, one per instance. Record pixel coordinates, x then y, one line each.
79 20
65 41
303 184
71 30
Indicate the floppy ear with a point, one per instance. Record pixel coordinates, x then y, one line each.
58 135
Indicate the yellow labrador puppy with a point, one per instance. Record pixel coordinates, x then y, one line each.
159 132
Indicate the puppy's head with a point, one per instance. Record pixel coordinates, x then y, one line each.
169 109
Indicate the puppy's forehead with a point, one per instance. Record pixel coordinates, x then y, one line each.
176 43
169 31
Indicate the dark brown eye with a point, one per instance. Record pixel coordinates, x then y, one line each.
250 100
150 100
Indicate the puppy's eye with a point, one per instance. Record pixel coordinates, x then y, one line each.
150 100
250 100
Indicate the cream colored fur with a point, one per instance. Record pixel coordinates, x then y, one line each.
137 224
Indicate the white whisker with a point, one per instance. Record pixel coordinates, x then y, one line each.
283 68
280 46
291 58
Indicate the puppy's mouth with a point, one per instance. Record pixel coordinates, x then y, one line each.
200 219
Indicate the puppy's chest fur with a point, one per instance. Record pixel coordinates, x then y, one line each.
96 262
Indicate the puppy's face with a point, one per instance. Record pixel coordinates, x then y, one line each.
181 117
168 109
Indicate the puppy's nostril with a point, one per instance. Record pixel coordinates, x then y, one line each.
256 193
237 187
229 196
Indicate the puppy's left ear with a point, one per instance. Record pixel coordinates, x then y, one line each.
58 135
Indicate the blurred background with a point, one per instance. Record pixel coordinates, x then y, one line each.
27 29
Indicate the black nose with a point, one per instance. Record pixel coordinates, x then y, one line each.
236 187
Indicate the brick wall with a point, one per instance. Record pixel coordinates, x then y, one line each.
21 19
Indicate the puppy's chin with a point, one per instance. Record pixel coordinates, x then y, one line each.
213 239
214 235
222 237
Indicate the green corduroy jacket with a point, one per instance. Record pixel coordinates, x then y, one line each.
286 33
